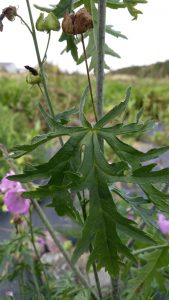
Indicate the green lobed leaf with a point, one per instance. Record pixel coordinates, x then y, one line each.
62 7
116 111
71 44
114 32
142 281
58 161
101 226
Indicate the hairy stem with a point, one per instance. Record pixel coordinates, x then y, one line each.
47 97
88 76
100 58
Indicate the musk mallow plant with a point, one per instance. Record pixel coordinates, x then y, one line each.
80 166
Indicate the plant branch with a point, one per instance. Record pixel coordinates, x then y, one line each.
39 61
47 46
100 57
147 249
88 76
23 21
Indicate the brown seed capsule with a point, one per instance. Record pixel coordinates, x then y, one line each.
77 23
83 21
10 13
67 24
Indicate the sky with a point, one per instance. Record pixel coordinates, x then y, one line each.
148 37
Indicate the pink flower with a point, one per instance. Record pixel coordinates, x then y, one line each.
7 184
130 217
163 224
15 203
9 294
41 240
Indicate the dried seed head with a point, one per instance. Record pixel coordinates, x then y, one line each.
17 220
67 24
10 13
77 23
83 21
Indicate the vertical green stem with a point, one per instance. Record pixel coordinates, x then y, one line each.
115 288
39 60
21 287
100 57
88 76
36 284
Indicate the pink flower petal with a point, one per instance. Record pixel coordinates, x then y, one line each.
163 224
7 184
15 203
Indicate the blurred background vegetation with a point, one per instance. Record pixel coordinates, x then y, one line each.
20 119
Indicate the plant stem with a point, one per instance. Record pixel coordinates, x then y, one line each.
47 46
21 288
115 288
36 251
36 284
96 276
100 58
147 249
88 76
58 244
39 60
23 21
40 63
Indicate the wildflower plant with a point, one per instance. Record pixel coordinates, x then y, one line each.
80 166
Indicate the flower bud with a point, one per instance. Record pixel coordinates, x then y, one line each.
77 23
10 13
33 79
40 22
51 22
48 23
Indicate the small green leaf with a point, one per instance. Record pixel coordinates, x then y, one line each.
41 8
71 44
114 32
116 111
62 7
